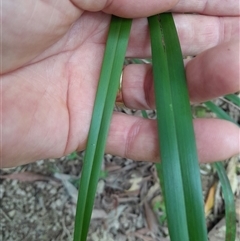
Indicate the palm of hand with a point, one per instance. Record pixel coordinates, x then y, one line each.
45 97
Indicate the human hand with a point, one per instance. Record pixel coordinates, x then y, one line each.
52 59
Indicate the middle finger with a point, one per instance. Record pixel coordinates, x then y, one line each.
213 73
196 34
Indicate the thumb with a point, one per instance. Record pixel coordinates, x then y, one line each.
126 8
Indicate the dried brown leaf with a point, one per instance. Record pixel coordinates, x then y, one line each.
151 219
153 190
143 237
209 203
135 183
71 189
99 214
112 168
26 177
232 173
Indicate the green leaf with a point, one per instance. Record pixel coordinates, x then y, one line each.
218 111
180 169
144 114
72 156
230 211
171 169
233 98
185 132
104 103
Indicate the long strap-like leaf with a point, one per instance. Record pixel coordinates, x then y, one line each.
230 211
106 93
177 141
234 99
218 111
171 169
185 132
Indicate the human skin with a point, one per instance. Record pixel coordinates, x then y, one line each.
51 53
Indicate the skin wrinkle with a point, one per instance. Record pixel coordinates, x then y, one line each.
63 19
228 29
122 10
69 130
205 6
33 12
52 15
68 42
68 146
131 136
221 31
91 5
34 72
109 4
214 32
63 11
98 30
46 95
208 33
148 89
209 7
114 9
77 135
49 74
211 38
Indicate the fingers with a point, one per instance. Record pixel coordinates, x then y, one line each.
136 138
137 87
213 73
210 7
196 33
133 9
126 8
23 42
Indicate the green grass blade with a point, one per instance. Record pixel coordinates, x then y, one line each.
105 97
185 133
218 111
171 169
233 98
144 114
230 211
109 105
137 61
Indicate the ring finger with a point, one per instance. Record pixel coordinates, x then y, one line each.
213 73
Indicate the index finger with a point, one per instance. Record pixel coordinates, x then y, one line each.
126 8
144 8
209 7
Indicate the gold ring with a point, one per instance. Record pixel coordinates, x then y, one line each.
119 98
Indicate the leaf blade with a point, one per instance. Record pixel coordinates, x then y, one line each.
116 45
171 173
185 132
229 203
